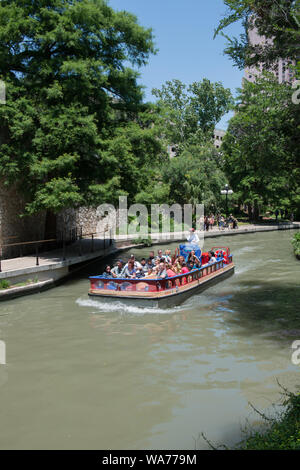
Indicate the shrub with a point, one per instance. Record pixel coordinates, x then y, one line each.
145 241
282 432
296 243
4 284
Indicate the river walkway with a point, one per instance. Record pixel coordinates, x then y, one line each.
28 274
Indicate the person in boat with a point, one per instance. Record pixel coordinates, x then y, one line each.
162 271
135 262
161 257
139 273
170 270
179 264
152 257
156 267
118 269
107 274
150 265
144 266
184 269
193 261
129 270
212 258
167 256
193 237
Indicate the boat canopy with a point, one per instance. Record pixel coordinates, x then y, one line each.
187 248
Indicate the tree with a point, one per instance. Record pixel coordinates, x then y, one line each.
276 20
70 97
190 113
261 146
196 177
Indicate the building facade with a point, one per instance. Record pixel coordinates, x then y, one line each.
282 69
218 137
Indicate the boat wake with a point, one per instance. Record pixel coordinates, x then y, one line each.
245 249
121 308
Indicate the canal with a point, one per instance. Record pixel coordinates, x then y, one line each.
89 375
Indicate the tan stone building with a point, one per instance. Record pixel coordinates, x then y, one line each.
282 69
218 137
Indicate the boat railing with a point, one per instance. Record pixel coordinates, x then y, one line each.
153 285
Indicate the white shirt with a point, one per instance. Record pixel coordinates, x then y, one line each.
136 265
193 238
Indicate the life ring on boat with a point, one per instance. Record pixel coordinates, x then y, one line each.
223 253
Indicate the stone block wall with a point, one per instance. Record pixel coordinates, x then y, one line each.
85 220
14 227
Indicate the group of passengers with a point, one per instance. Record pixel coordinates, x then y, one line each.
158 267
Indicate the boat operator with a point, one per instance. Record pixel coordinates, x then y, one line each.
193 237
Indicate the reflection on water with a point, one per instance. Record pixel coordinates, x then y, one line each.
86 374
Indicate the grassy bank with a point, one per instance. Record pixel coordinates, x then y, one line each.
5 284
279 433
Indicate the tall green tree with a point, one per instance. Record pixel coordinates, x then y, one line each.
196 177
261 147
71 83
276 20
189 114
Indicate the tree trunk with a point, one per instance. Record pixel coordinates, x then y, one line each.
255 211
50 225
250 212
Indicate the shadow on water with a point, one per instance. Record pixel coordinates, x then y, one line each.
267 309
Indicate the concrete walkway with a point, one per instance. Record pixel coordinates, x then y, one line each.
50 258
53 267
54 257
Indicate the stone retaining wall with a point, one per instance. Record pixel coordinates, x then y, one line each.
85 220
14 227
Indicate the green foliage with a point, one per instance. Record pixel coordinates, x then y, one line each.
282 432
73 130
190 113
261 146
296 244
185 118
277 20
144 241
196 176
4 284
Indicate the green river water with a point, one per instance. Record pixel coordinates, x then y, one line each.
84 374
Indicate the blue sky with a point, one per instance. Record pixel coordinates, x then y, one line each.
183 33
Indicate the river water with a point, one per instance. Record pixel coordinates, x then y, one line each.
88 375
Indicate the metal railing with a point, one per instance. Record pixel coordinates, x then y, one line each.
62 246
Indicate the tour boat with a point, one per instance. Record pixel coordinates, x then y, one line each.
164 292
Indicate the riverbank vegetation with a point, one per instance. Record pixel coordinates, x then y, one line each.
5 284
296 244
279 433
